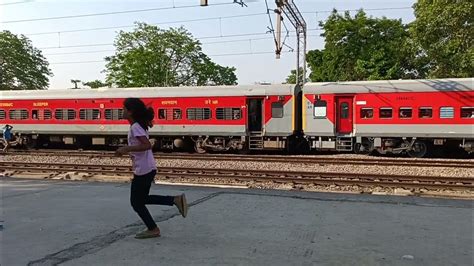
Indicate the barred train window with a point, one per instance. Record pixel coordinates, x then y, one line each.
320 109
35 114
277 110
47 115
41 114
366 113
113 114
198 113
18 114
425 112
385 112
65 114
405 113
228 113
89 114
446 112
467 112
2 114
169 114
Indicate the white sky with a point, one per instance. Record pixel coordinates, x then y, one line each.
66 63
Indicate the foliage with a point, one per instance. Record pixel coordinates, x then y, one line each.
445 32
149 56
94 84
362 48
22 66
291 79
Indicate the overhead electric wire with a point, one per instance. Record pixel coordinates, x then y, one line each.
109 13
15 3
199 38
365 9
109 50
229 54
133 25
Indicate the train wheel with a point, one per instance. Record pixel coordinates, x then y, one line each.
419 150
365 148
199 148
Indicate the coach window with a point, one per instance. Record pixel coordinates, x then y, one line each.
161 114
425 112
320 109
366 113
405 113
467 112
18 114
169 114
89 114
47 115
385 112
344 110
446 112
198 113
277 110
2 114
228 113
177 114
34 114
65 114
113 114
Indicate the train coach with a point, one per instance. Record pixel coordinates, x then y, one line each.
412 116
217 118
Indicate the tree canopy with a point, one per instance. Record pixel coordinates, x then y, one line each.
150 56
22 66
437 44
361 48
444 30
94 84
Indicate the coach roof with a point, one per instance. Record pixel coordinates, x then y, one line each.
420 85
205 91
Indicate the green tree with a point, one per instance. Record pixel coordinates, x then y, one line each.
149 56
291 79
22 67
445 32
362 48
94 84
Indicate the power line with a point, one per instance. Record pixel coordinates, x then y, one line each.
109 13
15 3
368 9
133 25
109 50
230 54
200 38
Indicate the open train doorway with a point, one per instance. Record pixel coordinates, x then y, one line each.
254 113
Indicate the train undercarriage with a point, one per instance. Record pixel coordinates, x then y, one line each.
295 144
412 146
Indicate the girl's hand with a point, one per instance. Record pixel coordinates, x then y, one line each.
121 151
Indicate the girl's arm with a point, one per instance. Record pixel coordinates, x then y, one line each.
143 146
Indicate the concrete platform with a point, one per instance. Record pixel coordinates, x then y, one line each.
80 223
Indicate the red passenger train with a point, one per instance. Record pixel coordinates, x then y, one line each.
401 116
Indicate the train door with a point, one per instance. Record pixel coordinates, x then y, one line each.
344 114
254 114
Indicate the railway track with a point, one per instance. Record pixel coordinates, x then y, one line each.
205 174
275 158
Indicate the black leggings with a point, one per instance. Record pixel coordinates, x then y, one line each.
139 197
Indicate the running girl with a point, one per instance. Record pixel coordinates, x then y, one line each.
144 166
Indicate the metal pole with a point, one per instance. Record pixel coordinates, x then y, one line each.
278 34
